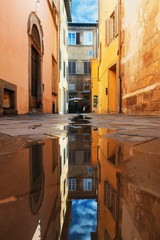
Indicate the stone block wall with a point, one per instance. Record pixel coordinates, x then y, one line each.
140 59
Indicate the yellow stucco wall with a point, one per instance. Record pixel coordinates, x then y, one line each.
94 84
14 49
108 57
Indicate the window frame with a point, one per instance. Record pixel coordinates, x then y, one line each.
70 40
86 69
72 184
87 40
72 68
87 184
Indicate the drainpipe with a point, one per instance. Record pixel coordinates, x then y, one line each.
120 54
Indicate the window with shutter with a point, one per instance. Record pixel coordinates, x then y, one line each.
88 38
72 38
72 67
87 67
111 26
87 184
110 198
116 21
72 184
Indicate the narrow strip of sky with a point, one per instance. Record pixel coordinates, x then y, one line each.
84 11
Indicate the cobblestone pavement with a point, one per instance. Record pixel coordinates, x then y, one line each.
50 124
17 131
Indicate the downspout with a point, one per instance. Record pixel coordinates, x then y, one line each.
120 54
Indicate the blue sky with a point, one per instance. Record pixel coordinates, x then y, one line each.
84 11
84 219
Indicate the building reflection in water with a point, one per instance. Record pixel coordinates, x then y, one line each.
128 193
30 203
109 189
82 186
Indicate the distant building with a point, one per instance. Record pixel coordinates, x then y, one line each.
82 178
65 17
82 47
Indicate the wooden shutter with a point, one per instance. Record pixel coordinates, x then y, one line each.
107 31
78 38
116 21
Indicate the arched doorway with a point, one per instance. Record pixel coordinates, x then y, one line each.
35 63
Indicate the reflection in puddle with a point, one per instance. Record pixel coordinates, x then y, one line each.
83 219
82 185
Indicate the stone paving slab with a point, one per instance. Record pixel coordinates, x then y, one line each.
42 124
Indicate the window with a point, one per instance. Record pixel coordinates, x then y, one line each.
64 69
54 76
87 157
106 236
72 157
64 187
90 169
90 53
73 38
64 36
87 67
111 26
72 67
87 184
72 87
110 198
88 38
64 156
60 59
86 86
72 184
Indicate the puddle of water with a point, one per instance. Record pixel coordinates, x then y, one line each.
80 185
83 219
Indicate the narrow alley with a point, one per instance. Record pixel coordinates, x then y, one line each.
80 120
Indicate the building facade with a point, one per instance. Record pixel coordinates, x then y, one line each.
29 56
108 79
82 46
128 57
65 17
140 65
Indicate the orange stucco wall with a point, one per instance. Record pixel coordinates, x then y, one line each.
14 49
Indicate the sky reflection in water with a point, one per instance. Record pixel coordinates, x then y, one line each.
84 219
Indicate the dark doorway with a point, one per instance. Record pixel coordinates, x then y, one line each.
35 74
35 77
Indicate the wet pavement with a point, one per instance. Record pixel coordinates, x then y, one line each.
100 171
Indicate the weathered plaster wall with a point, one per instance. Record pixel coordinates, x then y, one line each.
140 57
14 49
